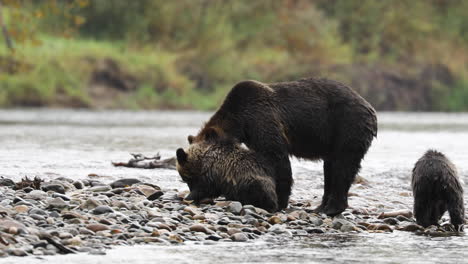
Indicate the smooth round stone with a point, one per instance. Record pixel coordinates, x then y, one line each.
274 220
21 208
102 209
57 203
316 221
235 207
78 184
54 188
38 211
36 195
37 217
155 195
347 228
124 183
239 237
17 252
90 204
96 227
100 188
40 243
338 222
391 221
199 228
6 182
64 197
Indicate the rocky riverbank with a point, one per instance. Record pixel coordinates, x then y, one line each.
64 216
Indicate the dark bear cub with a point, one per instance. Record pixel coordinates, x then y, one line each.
436 189
229 169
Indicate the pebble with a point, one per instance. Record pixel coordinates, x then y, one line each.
199 228
97 227
239 237
57 203
100 188
274 220
124 183
90 217
78 184
54 188
102 209
155 195
235 207
36 195
21 208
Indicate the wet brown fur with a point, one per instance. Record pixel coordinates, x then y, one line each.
227 169
309 118
436 189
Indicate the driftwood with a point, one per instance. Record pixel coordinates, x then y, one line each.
142 162
26 182
62 248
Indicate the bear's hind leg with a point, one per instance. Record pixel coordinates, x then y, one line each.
327 178
343 170
456 210
424 210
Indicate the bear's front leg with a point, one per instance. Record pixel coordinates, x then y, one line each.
284 181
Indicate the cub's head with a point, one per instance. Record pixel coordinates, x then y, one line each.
197 167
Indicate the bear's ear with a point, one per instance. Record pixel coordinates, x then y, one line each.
211 134
181 155
190 139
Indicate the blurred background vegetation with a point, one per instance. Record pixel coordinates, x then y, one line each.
156 54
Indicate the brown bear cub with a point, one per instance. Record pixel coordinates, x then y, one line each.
309 118
229 169
436 189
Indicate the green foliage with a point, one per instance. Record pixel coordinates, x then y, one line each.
188 53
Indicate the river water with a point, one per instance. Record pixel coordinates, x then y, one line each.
53 143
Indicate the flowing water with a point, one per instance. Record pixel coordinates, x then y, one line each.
52 143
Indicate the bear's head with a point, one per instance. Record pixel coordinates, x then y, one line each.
199 164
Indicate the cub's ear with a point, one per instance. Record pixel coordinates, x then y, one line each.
190 139
211 134
181 155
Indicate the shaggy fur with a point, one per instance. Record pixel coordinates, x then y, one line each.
228 169
436 189
308 118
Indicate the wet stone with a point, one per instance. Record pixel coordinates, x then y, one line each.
235 207
78 184
391 221
17 252
36 195
6 182
239 237
100 188
102 209
124 183
54 188
64 197
90 204
21 208
97 227
57 203
314 230
155 195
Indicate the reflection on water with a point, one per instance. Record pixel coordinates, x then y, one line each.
52 143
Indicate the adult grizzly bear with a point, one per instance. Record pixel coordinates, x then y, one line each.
436 189
309 118
226 168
